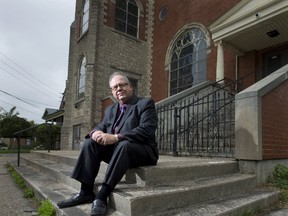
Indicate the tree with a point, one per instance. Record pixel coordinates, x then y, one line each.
45 134
9 114
48 135
10 123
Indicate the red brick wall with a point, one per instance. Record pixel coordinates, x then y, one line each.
275 123
204 12
247 68
229 64
105 103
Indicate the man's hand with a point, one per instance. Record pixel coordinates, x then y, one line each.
104 138
96 135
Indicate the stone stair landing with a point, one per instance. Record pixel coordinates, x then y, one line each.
176 186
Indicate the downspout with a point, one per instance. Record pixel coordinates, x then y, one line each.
237 72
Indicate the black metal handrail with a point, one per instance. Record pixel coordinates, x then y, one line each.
18 133
209 113
201 123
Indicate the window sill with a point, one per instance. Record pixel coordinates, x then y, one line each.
82 35
78 103
126 35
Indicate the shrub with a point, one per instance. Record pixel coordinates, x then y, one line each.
280 174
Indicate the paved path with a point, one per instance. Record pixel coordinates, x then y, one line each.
12 202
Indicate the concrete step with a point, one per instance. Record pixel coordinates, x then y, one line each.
134 200
148 200
169 169
46 187
176 186
245 203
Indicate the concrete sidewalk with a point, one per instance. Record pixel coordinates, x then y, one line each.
12 202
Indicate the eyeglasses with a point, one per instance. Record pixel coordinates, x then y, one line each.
120 85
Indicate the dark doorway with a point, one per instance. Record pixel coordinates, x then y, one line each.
76 137
274 59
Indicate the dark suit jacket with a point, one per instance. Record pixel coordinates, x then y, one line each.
139 123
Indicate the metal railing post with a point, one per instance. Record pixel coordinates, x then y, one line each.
18 153
18 133
50 138
175 139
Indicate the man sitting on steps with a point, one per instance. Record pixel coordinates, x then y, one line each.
124 139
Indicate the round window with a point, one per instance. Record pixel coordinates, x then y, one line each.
163 13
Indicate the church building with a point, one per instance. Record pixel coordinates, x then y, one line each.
167 47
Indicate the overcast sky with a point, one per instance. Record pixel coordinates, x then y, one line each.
34 45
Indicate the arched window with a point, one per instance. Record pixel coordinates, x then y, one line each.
81 79
85 17
126 17
188 61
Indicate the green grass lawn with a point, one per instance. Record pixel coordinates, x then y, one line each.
11 151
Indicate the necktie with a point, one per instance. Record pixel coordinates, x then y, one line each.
122 111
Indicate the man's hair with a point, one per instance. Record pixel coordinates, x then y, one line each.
120 74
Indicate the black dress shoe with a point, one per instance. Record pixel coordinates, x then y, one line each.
99 208
76 200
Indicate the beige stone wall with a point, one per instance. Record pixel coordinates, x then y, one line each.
106 50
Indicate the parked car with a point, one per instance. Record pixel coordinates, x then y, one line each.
3 146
